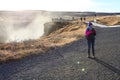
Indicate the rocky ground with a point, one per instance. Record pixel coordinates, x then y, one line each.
70 62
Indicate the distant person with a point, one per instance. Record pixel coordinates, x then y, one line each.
60 18
73 18
90 36
81 19
95 15
84 19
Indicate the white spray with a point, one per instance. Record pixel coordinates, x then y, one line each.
19 26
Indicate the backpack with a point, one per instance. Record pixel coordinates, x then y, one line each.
90 34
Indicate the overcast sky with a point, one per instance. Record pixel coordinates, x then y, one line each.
62 5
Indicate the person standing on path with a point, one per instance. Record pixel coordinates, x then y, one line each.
90 34
84 19
81 19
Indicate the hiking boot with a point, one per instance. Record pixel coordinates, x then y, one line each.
93 56
88 56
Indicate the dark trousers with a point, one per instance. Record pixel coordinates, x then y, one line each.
91 43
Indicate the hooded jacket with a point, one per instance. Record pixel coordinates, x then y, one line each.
90 33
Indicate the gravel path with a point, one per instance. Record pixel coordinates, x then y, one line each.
70 62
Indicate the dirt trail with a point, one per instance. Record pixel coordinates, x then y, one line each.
70 62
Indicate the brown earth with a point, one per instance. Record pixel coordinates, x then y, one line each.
65 35
109 20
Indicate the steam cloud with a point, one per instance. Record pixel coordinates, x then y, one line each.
23 25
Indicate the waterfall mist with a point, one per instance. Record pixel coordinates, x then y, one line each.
22 25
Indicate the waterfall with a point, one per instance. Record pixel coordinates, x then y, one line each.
22 25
